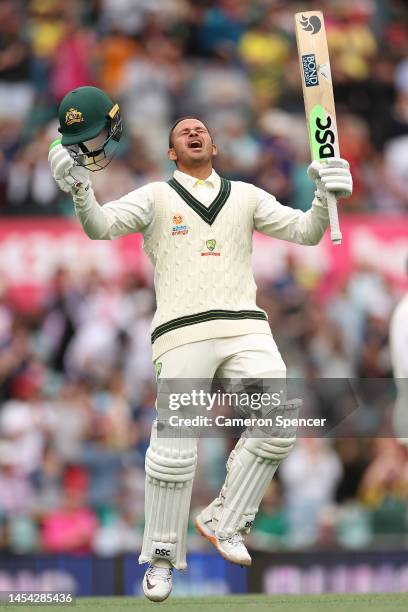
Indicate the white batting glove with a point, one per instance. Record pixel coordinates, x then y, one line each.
68 176
334 176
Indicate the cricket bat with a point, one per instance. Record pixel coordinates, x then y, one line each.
318 98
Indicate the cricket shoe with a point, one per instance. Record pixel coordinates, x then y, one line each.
158 581
232 549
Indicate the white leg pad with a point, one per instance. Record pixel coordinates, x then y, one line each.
250 468
170 466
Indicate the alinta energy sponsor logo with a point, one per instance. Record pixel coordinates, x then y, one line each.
178 227
210 245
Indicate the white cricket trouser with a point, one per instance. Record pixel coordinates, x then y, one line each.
170 463
247 356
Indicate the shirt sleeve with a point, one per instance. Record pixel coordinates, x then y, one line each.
130 214
274 219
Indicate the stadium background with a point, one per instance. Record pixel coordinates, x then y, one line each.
76 383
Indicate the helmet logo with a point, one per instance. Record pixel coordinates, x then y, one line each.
73 116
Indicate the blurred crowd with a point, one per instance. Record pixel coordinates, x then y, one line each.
233 62
77 388
77 397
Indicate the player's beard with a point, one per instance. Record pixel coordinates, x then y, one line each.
196 161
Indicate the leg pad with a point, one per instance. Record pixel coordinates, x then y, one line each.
170 467
250 468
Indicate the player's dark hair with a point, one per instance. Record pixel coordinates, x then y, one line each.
175 124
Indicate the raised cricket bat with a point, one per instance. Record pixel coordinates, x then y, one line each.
318 98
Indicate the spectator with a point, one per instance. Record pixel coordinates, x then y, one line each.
270 528
232 62
71 527
16 492
76 379
384 488
310 476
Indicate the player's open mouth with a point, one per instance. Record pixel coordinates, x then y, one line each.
195 144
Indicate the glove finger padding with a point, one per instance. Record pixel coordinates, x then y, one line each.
338 181
61 170
77 174
342 190
330 171
68 176
336 162
313 170
313 173
336 177
64 186
60 161
333 175
344 183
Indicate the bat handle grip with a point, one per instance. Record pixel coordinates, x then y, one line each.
335 233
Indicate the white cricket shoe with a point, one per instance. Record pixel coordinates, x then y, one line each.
232 549
158 581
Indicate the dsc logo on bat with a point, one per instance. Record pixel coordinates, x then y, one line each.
325 137
322 133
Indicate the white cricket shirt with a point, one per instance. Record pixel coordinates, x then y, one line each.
198 235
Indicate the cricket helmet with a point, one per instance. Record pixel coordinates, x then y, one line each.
91 126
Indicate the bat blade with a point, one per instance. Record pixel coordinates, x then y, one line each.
317 85
318 97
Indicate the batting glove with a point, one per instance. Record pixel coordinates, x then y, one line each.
334 176
68 176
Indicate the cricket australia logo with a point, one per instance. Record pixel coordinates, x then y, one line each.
179 228
210 244
73 116
158 368
311 24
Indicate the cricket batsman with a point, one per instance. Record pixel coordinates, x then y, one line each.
399 359
197 231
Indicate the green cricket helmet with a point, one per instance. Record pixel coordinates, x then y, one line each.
91 127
